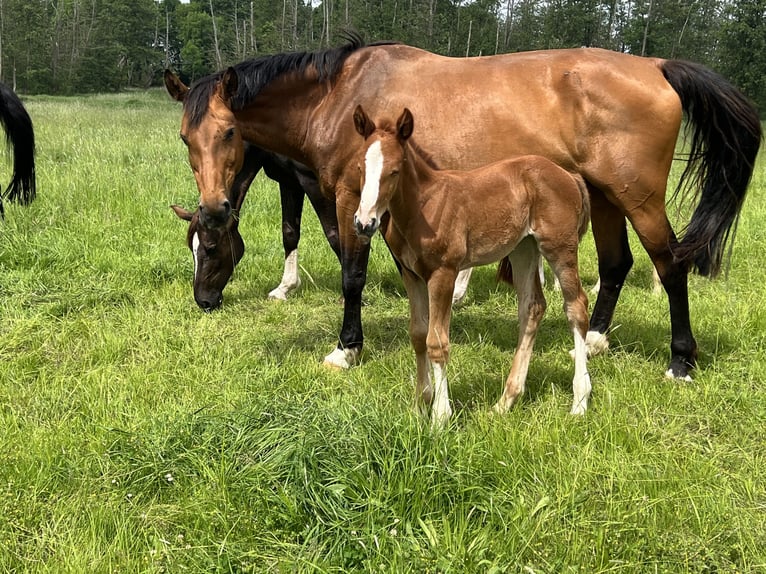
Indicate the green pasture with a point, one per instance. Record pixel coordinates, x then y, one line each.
138 434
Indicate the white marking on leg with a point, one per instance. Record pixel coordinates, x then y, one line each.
373 168
343 358
581 384
461 286
441 410
596 288
290 278
195 249
596 343
656 282
669 374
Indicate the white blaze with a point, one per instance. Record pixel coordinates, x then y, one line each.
373 168
195 249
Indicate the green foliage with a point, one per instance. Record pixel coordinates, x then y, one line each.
138 434
80 46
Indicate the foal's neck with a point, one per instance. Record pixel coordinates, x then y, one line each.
418 169
417 174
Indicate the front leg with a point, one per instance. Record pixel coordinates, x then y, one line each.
441 287
417 293
355 254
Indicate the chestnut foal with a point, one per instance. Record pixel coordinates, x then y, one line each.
442 221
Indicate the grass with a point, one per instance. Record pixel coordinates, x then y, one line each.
138 434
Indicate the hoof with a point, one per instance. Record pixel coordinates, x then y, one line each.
341 359
277 295
579 409
679 369
595 343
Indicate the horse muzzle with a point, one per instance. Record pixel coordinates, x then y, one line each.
209 302
367 229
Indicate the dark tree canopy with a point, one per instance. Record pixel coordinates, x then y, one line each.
73 46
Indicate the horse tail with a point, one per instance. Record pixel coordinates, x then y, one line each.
725 136
20 137
504 271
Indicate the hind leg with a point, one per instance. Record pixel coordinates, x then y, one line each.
614 263
657 237
564 265
292 210
526 278
461 286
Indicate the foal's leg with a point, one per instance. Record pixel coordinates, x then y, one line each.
461 286
564 265
531 301
614 262
355 255
441 286
291 197
417 293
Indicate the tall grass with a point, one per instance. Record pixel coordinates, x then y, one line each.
138 434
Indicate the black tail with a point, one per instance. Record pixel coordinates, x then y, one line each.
20 138
725 137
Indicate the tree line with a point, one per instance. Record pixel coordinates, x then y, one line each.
80 46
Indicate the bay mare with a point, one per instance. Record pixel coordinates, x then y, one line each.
613 118
20 140
443 221
217 245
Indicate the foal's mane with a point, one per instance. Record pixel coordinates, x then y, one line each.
257 73
422 154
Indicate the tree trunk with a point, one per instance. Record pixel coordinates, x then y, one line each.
218 60
646 28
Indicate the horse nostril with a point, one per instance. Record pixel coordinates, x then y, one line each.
208 305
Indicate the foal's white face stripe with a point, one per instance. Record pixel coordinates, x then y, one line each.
373 168
195 249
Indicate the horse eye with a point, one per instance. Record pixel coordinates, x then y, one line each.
228 135
394 172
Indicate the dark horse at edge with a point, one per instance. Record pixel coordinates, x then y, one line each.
20 139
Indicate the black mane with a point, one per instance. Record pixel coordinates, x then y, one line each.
255 74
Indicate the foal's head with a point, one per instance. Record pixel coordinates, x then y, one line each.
213 139
216 252
379 165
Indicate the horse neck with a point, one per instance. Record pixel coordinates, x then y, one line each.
416 179
278 118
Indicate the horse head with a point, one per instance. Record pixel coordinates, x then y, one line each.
383 154
213 139
216 252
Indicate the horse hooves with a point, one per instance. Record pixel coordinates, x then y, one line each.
679 370
277 295
341 359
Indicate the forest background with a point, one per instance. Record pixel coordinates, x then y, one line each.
83 46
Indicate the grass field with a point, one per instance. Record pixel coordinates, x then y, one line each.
138 434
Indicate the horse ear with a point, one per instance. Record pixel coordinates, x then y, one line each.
405 125
364 125
184 214
229 84
176 88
